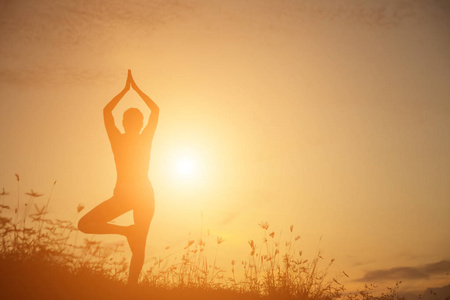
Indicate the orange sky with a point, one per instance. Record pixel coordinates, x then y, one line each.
332 117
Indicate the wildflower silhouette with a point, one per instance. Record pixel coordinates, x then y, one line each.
16 211
4 193
32 195
133 190
80 207
264 225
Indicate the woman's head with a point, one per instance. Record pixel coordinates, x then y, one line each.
132 120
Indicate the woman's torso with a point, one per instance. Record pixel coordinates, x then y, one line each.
132 158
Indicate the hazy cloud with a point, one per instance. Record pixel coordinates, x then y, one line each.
229 218
402 273
50 41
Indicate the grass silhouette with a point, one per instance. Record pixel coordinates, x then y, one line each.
42 258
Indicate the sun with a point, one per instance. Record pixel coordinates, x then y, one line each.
186 167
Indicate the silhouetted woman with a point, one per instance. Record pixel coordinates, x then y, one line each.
133 189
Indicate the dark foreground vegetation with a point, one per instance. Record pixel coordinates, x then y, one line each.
43 258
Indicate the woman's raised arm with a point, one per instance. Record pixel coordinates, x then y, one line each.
149 130
110 126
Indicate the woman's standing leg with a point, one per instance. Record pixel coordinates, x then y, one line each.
137 238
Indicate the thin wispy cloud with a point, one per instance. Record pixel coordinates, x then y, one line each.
53 41
405 273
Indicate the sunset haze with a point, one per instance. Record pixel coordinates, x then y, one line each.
330 116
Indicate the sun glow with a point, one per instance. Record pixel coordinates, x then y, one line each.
185 167
188 172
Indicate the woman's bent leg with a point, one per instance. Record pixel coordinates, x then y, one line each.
96 221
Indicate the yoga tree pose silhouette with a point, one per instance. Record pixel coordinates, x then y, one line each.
133 190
